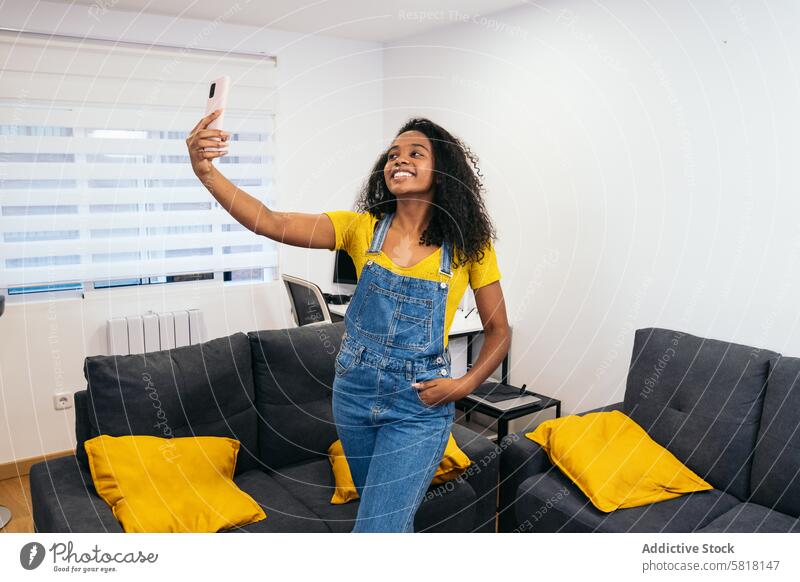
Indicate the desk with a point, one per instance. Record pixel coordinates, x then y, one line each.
337 309
468 327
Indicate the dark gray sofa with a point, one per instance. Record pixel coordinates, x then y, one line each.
730 412
271 390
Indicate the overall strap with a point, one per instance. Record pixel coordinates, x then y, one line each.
447 258
380 234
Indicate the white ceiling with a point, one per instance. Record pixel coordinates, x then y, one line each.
375 20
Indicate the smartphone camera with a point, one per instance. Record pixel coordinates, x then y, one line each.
211 92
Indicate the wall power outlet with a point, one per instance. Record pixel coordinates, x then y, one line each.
62 400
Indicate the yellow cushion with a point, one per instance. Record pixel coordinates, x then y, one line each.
614 461
160 485
454 462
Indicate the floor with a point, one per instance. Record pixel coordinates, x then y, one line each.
16 495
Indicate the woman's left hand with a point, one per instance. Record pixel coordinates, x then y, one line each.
441 391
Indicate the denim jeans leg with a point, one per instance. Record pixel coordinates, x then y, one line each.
405 458
358 438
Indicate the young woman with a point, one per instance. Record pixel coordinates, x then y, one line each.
421 234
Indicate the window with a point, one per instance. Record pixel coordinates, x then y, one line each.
95 180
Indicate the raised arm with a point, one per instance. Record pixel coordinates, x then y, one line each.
293 228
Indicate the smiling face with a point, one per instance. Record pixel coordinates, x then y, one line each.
409 165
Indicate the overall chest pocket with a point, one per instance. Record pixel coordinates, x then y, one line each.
397 320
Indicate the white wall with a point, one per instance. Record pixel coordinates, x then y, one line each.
641 168
329 112
641 163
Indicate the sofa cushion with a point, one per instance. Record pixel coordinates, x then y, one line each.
775 477
170 485
752 518
701 399
453 464
204 389
293 374
285 512
312 481
449 507
63 499
550 502
614 461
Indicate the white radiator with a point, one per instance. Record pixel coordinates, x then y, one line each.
152 332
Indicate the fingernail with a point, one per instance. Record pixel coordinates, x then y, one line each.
416 384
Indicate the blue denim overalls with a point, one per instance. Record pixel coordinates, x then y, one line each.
393 441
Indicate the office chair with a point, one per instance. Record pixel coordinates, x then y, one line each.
308 304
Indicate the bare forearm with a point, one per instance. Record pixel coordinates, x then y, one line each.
247 210
294 228
495 347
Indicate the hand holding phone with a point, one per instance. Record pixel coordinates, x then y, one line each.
217 99
199 140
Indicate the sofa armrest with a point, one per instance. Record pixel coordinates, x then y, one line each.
83 427
521 458
482 475
64 499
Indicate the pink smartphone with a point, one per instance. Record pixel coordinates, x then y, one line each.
217 99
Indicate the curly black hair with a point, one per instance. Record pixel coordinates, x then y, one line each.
459 214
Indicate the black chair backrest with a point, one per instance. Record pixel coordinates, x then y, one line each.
306 305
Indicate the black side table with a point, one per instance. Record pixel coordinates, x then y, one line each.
508 410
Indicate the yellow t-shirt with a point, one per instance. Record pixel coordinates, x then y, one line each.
354 235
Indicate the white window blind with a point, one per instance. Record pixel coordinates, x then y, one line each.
95 180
